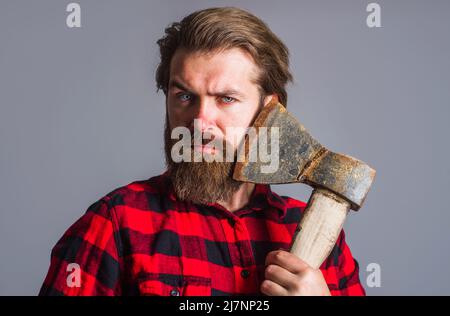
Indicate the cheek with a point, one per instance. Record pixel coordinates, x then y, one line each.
175 117
236 129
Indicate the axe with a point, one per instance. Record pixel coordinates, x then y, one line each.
339 182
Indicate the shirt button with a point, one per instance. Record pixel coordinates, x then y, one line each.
245 274
174 292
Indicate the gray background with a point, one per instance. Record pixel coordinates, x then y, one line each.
79 116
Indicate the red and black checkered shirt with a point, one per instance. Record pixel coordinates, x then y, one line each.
141 240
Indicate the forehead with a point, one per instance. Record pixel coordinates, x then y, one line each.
226 69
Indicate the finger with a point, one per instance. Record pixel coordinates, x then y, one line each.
281 276
287 260
270 288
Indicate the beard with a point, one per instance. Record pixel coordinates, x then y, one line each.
200 182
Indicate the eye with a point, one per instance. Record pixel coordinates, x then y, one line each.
184 97
228 99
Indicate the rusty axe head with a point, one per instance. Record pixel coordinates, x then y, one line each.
303 159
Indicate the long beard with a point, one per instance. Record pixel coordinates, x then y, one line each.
200 182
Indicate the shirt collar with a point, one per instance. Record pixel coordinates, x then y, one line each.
261 198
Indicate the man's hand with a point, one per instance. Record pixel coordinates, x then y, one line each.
288 275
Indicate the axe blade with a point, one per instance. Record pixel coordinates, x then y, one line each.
302 159
296 148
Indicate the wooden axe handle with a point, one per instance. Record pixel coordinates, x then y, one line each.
319 227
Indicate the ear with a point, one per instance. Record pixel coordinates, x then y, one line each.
271 98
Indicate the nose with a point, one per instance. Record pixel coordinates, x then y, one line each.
205 115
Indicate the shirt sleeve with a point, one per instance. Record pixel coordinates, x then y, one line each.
341 271
85 261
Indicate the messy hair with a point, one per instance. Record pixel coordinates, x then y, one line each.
224 28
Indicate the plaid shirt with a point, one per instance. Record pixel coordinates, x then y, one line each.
141 240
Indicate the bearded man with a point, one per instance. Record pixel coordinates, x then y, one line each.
194 230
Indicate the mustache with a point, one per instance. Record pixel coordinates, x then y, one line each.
212 140
205 136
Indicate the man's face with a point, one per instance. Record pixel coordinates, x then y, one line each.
218 90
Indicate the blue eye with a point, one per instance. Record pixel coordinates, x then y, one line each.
228 99
184 97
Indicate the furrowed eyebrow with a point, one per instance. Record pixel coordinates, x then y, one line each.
229 92
226 92
179 85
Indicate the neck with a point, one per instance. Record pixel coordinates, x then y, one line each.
239 198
